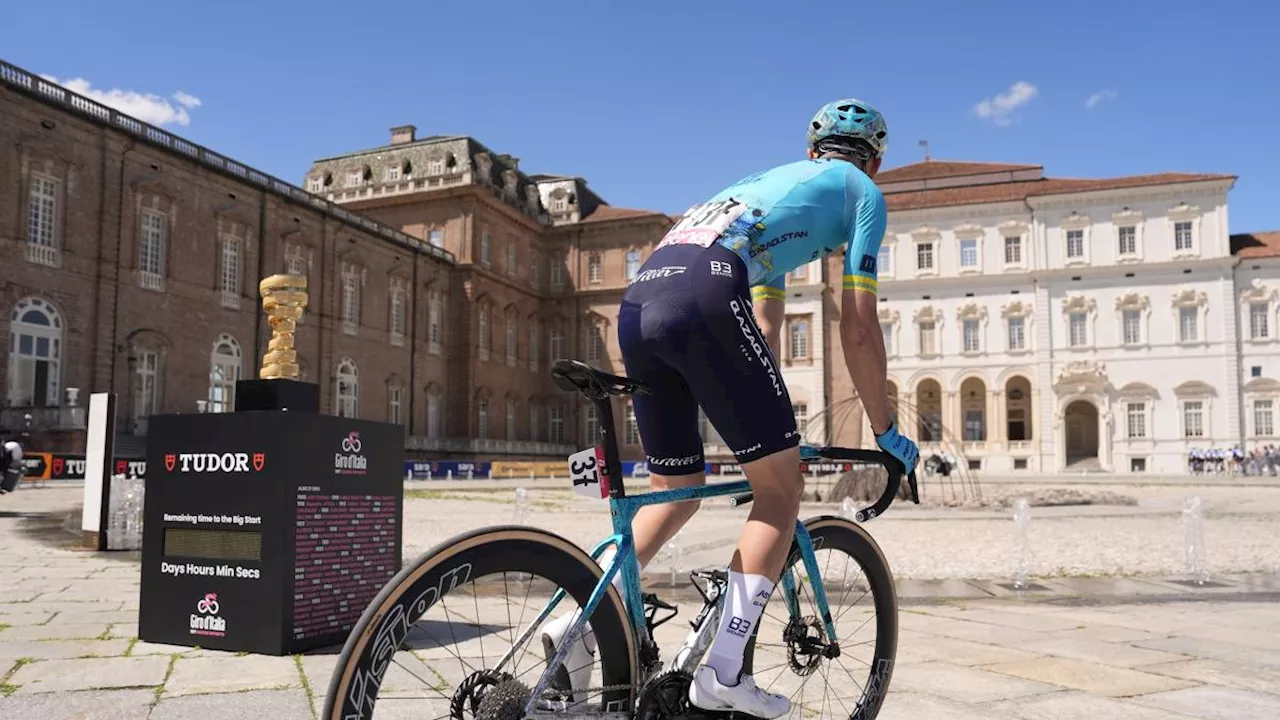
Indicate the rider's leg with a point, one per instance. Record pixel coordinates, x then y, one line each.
762 550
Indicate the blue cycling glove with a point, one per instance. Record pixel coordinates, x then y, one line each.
900 447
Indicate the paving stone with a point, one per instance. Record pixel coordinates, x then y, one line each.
1106 634
142 647
957 652
981 632
85 605
111 617
281 704
197 675
45 676
1074 705
124 629
1201 648
911 589
55 631
1036 622
23 618
1090 677
969 685
1216 672
77 571
1114 654
84 705
61 649
44 585
1216 703
18 595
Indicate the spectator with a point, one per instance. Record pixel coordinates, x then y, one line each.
10 466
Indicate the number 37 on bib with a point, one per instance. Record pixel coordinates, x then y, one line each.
587 473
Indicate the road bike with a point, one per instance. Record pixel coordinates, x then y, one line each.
394 656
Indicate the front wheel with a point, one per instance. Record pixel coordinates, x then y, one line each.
790 646
484 589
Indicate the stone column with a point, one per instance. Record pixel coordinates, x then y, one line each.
996 427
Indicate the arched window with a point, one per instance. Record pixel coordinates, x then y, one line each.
348 388
35 353
224 371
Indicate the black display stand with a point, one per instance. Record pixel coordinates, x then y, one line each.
267 531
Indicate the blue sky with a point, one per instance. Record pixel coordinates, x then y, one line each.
660 104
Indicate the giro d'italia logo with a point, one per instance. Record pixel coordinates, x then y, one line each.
349 460
206 620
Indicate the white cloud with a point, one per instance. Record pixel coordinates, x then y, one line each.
1097 98
999 109
148 108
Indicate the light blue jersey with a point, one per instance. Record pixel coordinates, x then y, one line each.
783 218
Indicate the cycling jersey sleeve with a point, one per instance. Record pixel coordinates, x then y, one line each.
866 230
774 289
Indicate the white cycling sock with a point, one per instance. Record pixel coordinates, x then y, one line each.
743 605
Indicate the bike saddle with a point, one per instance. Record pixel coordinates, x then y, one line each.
575 375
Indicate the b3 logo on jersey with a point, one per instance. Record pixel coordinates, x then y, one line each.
721 269
868 264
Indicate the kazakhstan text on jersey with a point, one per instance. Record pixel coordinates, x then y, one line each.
782 218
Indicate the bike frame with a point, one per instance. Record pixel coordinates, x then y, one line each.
623 509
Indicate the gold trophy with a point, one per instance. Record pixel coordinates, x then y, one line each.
283 299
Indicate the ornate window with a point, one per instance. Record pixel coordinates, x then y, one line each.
153 232
1128 238
484 329
1138 402
1134 313
633 264
486 248
972 318
1075 240
1017 321
884 260
1014 246
1259 306
1184 227
513 334
595 268
928 339
352 283
889 328
1080 312
1194 403
925 243
396 293
1190 308
1260 395
43 246
969 241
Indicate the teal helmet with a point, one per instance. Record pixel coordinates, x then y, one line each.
850 121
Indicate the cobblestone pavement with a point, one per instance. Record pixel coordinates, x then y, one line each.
1088 648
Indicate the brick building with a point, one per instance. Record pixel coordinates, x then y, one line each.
130 257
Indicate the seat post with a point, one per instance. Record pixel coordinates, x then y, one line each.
609 439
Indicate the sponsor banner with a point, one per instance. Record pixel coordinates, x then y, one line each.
62 466
440 469
522 468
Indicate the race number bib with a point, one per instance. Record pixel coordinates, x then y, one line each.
587 473
703 224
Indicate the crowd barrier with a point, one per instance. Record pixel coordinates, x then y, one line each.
502 469
63 466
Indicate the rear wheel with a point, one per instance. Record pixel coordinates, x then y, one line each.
447 666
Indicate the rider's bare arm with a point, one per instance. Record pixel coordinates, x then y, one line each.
864 355
860 334
770 313
768 304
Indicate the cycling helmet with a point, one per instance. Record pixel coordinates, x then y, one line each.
850 120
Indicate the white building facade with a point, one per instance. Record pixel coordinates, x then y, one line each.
1048 325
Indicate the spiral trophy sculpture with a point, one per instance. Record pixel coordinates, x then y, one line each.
284 297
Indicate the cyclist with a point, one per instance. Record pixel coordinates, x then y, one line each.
687 328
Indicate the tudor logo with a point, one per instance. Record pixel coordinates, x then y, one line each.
57 467
214 462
